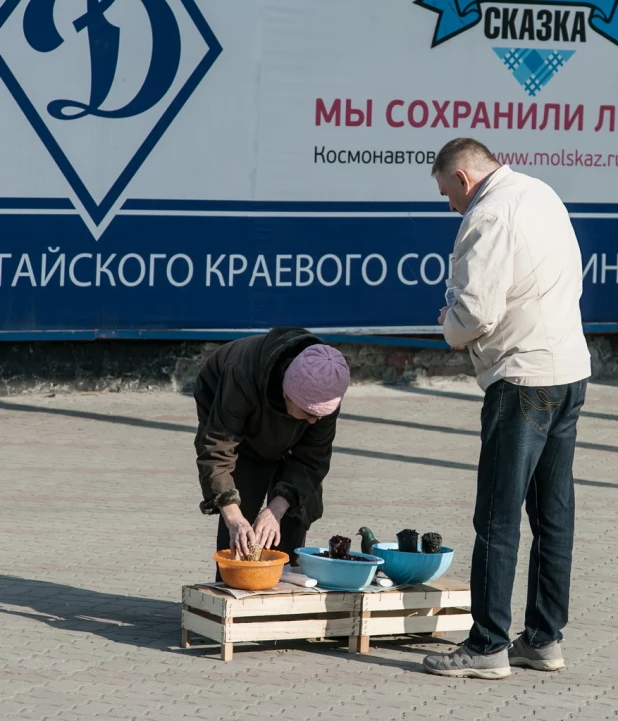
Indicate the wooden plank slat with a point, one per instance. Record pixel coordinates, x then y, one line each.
440 594
204 626
211 601
411 599
205 600
398 625
293 604
308 628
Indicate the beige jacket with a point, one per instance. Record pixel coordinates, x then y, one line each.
517 274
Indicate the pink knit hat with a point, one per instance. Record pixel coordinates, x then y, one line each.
317 380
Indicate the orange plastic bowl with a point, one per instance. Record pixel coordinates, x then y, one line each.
251 575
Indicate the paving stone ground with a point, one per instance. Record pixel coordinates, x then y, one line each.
99 530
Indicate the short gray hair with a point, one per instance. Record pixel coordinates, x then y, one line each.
475 152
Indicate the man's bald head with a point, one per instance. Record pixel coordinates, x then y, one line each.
460 169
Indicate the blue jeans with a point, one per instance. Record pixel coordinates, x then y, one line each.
528 443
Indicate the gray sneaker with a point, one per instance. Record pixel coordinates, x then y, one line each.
548 658
466 663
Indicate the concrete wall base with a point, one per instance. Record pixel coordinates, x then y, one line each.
114 366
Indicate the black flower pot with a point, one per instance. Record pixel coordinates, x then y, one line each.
408 541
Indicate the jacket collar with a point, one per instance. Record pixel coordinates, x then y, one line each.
490 183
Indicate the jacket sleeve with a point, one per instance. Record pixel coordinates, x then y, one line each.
307 466
483 274
218 439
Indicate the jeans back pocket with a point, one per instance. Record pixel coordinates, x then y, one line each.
538 404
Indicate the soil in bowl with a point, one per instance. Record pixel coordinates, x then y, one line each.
255 553
347 557
340 550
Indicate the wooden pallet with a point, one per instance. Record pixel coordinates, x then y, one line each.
434 608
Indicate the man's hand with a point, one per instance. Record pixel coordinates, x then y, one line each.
443 313
267 526
241 533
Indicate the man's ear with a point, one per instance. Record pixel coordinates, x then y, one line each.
464 181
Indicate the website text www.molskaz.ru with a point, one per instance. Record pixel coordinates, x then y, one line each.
560 158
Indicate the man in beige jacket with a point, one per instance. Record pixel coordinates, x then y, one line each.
514 301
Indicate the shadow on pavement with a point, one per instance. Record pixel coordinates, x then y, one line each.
475 433
182 428
144 622
419 460
104 417
379 455
409 645
337 648
479 399
155 624
410 424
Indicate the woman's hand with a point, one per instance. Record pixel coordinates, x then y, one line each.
267 526
241 533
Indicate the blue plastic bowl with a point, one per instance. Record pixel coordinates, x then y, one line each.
336 575
412 568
